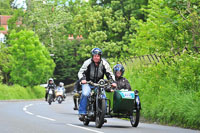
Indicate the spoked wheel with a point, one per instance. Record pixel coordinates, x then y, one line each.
100 112
50 99
60 99
135 118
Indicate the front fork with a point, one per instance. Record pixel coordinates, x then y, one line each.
137 101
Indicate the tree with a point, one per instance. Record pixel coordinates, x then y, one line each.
162 32
52 23
4 63
189 11
106 26
5 7
67 62
30 62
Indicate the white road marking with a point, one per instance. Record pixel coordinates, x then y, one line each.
29 113
45 118
39 116
25 109
85 128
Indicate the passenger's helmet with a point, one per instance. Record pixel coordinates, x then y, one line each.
118 67
96 51
61 84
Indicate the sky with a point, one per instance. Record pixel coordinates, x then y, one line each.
21 3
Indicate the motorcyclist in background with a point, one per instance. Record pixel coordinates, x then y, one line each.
77 94
52 86
122 83
93 70
61 87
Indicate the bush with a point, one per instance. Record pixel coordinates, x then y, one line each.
18 92
169 93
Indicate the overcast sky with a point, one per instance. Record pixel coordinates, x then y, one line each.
20 3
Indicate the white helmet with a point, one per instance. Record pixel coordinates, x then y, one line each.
61 84
51 79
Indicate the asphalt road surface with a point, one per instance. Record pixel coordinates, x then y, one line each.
39 117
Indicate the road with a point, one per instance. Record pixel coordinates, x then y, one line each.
39 117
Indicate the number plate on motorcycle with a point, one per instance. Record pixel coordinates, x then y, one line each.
128 94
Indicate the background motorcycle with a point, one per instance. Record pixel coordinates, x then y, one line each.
50 96
60 96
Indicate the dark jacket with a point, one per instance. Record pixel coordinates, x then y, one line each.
52 86
122 83
90 72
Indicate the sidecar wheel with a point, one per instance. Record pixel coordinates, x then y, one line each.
135 118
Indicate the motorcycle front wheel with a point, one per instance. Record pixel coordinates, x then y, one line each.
50 99
60 99
100 112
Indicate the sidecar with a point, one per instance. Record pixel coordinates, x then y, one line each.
124 104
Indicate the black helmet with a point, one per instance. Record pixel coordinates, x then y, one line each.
96 51
118 67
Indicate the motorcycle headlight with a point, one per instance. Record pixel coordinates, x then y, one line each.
101 82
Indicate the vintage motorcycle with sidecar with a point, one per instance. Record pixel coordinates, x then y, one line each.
105 104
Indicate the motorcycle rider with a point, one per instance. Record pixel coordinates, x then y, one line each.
61 87
93 70
52 86
77 93
122 83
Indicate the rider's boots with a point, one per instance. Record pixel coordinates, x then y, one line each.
75 104
81 117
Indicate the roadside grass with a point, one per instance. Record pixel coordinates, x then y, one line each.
18 92
170 94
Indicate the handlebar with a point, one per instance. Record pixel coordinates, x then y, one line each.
101 83
106 84
97 84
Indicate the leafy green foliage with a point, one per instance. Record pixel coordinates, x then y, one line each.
18 92
67 62
106 27
169 93
166 28
30 62
4 63
5 7
2 28
1 76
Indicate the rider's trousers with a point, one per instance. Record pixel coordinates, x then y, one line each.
84 98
